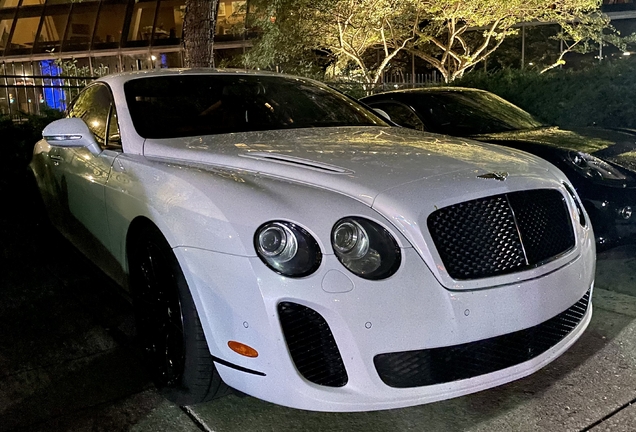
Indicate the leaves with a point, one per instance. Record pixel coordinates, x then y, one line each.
601 94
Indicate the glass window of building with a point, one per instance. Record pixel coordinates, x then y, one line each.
80 28
52 2
170 59
5 31
52 28
141 23
8 3
110 24
134 62
169 24
25 30
231 19
105 65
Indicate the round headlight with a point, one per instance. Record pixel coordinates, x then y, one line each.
350 240
276 240
365 248
287 249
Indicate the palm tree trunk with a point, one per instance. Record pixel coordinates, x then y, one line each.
199 25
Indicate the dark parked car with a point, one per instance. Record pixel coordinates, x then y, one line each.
600 163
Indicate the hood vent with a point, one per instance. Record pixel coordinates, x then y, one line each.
299 162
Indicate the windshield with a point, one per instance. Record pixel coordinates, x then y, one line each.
178 106
470 113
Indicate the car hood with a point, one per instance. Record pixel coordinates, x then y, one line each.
616 146
361 162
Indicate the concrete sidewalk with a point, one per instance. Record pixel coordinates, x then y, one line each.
68 362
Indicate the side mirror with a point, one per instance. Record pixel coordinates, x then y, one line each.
382 113
70 132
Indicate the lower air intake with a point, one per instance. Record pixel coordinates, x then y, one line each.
312 345
441 365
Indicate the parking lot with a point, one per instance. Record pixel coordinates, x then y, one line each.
68 360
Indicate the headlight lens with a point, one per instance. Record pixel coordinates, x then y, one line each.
595 168
287 249
365 248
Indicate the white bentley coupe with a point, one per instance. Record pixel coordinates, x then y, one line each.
279 238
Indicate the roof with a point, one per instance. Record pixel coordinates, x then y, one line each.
425 90
127 76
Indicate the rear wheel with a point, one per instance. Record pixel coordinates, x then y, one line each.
168 325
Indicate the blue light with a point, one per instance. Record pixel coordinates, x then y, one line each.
53 92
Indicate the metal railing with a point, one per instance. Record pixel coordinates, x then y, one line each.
20 94
389 82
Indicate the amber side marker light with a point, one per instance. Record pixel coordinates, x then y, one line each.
242 349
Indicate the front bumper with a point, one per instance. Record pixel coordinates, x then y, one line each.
239 299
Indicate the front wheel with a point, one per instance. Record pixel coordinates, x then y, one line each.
168 325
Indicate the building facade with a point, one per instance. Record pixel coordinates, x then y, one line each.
43 42
44 39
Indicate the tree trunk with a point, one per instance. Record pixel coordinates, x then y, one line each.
199 25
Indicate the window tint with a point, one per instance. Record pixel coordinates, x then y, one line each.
400 114
93 106
173 106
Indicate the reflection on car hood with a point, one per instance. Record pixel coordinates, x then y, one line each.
616 146
358 161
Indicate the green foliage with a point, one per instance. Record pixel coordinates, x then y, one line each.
460 34
601 95
346 39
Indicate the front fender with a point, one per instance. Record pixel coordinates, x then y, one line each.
218 209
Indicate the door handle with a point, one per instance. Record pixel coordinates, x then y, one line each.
56 159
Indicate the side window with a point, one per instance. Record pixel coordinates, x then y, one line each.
400 114
94 105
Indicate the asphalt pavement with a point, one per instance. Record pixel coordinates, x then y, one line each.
68 359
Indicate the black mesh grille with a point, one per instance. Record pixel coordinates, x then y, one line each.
501 234
311 345
442 365
544 223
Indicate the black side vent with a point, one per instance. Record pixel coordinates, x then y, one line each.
502 233
441 365
312 345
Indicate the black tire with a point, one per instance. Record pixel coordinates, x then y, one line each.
168 326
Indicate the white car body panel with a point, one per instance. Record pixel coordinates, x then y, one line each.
209 194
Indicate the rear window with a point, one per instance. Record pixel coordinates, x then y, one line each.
189 105
466 113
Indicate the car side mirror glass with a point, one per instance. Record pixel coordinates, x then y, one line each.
70 132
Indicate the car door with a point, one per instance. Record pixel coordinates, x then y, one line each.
82 173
